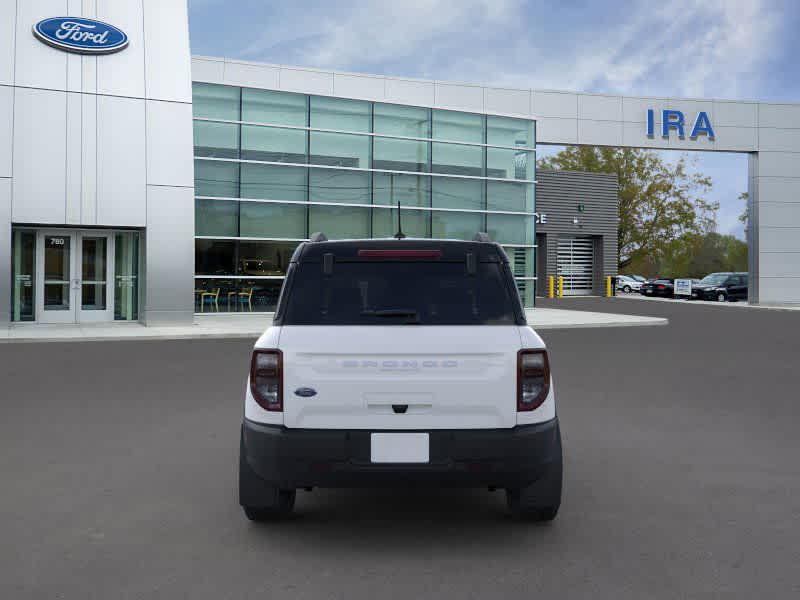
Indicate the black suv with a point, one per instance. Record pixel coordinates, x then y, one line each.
722 287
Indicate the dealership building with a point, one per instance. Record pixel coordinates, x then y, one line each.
139 183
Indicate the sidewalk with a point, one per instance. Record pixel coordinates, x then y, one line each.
251 326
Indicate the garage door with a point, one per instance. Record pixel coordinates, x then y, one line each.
576 264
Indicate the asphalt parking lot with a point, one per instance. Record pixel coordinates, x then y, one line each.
682 466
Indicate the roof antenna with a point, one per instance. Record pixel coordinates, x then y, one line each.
399 235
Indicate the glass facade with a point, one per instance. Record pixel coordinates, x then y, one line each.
273 167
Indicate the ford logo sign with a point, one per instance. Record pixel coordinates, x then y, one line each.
84 36
305 392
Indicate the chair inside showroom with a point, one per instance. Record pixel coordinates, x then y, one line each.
210 298
245 298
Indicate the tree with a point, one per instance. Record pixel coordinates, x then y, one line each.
659 202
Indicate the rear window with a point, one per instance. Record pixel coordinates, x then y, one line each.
399 293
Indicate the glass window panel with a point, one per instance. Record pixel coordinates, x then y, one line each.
273 144
457 159
409 190
216 217
215 101
281 108
407 121
93 272
452 192
339 150
521 261
337 185
339 222
214 257
526 289
220 140
457 126
215 295
261 293
510 229
509 164
337 113
507 131
273 182
216 178
507 195
456 225
416 223
265 258
126 276
400 155
57 272
23 260
262 219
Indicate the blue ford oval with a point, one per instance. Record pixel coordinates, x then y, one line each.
84 36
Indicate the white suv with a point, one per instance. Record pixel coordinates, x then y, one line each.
396 363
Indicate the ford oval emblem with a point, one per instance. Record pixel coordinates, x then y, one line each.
305 392
84 36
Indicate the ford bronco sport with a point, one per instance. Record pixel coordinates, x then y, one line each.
397 363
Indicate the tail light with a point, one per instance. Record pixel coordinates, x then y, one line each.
266 379
661 287
533 379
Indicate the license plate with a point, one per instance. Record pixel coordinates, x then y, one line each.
399 448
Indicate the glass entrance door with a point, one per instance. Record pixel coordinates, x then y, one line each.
94 302
73 275
56 277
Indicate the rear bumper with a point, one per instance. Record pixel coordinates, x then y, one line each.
293 458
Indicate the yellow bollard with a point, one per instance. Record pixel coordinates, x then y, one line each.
561 286
608 287
551 287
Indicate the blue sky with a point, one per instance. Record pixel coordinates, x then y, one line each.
740 49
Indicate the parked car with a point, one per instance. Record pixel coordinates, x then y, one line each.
638 278
398 363
663 288
627 284
722 287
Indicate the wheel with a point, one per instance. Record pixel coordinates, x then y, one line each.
283 510
540 500
627 289
721 297
260 500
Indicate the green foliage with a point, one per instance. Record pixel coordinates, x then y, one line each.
660 203
694 255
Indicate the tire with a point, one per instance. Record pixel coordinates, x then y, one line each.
540 500
721 297
627 289
260 500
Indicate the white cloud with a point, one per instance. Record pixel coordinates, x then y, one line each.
687 47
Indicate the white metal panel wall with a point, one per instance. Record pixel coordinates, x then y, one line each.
39 156
121 73
37 65
6 128
121 162
8 25
166 35
169 144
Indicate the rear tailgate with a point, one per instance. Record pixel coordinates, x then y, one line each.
364 377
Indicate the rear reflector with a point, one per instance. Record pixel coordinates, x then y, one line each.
398 254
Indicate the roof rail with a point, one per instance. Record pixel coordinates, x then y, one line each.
318 236
481 236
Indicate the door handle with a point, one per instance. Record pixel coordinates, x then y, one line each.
76 284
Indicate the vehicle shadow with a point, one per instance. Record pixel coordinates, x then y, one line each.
369 519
